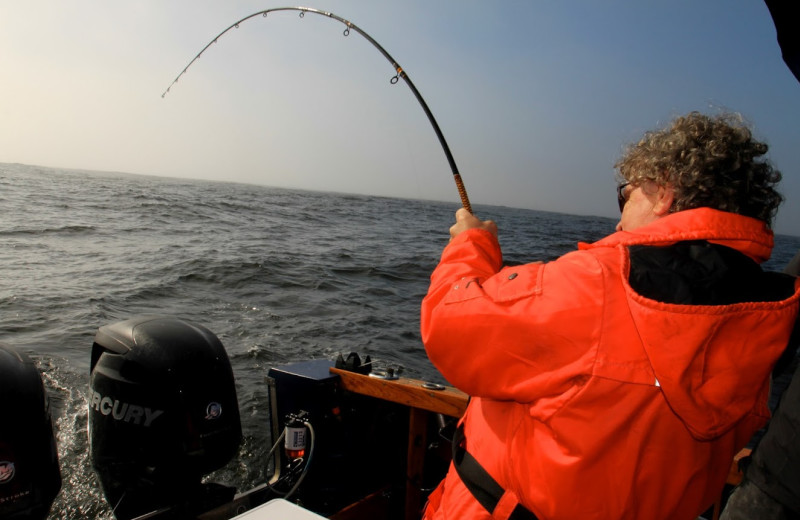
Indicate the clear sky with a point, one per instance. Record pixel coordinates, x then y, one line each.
536 98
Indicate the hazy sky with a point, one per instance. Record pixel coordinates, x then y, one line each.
536 98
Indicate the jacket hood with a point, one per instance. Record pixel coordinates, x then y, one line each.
713 365
712 362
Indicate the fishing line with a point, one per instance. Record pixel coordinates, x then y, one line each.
400 73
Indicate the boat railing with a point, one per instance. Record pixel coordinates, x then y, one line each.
422 399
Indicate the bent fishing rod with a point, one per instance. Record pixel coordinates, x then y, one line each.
401 73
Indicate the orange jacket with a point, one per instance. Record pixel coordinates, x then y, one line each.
589 400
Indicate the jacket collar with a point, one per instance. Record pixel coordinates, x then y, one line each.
745 234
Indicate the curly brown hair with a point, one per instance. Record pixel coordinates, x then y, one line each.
709 161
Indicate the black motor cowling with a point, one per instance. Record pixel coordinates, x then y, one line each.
30 477
162 414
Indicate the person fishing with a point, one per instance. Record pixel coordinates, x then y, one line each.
619 380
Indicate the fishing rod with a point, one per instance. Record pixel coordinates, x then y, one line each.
401 73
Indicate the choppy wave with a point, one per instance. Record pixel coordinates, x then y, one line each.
77 229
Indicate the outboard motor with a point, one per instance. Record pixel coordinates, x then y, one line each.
162 414
29 473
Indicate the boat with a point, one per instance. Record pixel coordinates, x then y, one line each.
163 414
350 442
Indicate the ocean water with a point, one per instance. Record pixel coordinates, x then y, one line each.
278 275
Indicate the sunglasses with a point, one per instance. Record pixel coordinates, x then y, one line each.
622 197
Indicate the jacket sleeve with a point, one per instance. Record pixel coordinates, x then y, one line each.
516 333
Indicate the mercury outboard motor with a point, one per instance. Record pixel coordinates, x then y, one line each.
29 474
162 414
